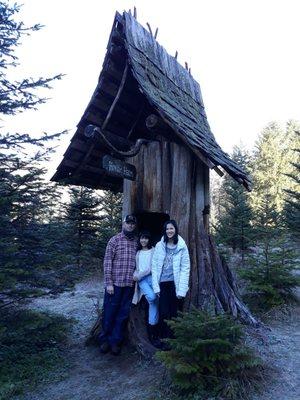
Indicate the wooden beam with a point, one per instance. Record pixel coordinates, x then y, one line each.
97 134
158 125
88 182
112 69
122 84
117 37
129 104
155 123
81 147
74 166
109 89
218 171
78 145
117 52
94 119
136 119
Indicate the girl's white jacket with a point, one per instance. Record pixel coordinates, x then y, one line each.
181 266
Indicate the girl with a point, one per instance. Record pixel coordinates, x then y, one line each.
142 276
170 274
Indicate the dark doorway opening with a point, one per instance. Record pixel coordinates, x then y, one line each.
152 222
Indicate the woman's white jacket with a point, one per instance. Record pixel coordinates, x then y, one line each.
181 266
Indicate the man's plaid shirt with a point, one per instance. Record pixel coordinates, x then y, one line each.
119 261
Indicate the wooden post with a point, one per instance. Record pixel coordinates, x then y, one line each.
206 209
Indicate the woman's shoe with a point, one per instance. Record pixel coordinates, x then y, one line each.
153 336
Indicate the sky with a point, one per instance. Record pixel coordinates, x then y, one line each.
244 54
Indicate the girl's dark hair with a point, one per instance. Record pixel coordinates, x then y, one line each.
147 235
172 222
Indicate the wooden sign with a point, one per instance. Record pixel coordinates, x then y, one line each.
118 168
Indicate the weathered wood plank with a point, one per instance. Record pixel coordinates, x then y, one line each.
181 187
199 188
206 200
177 97
153 186
166 166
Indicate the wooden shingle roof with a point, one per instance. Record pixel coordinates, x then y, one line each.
168 88
175 94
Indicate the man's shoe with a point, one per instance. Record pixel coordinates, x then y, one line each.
104 348
115 349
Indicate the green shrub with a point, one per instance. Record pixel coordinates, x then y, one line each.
270 276
31 345
207 356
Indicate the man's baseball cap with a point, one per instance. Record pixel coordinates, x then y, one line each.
130 218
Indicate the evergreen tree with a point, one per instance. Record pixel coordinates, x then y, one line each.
271 271
27 251
233 228
271 164
216 194
271 274
24 198
16 96
83 217
207 356
111 223
292 198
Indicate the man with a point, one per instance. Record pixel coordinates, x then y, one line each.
119 265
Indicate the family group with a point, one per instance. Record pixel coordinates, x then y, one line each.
134 268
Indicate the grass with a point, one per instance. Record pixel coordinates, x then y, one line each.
31 348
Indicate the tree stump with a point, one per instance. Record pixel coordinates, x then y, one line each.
172 181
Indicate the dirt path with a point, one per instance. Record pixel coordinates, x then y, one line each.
282 352
93 376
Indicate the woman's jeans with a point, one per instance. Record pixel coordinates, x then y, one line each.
145 285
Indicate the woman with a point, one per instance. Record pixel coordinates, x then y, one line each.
170 274
142 276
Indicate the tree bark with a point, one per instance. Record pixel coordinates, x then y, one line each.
171 180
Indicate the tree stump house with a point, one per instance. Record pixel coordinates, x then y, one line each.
145 132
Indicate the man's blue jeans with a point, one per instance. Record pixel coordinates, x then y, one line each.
116 309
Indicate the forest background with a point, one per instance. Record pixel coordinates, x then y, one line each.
52 237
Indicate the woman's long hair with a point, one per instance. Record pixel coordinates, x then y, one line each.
147 235
175 237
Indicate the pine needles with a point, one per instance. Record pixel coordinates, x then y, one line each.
208 357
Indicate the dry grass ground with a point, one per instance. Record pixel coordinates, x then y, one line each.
93 376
